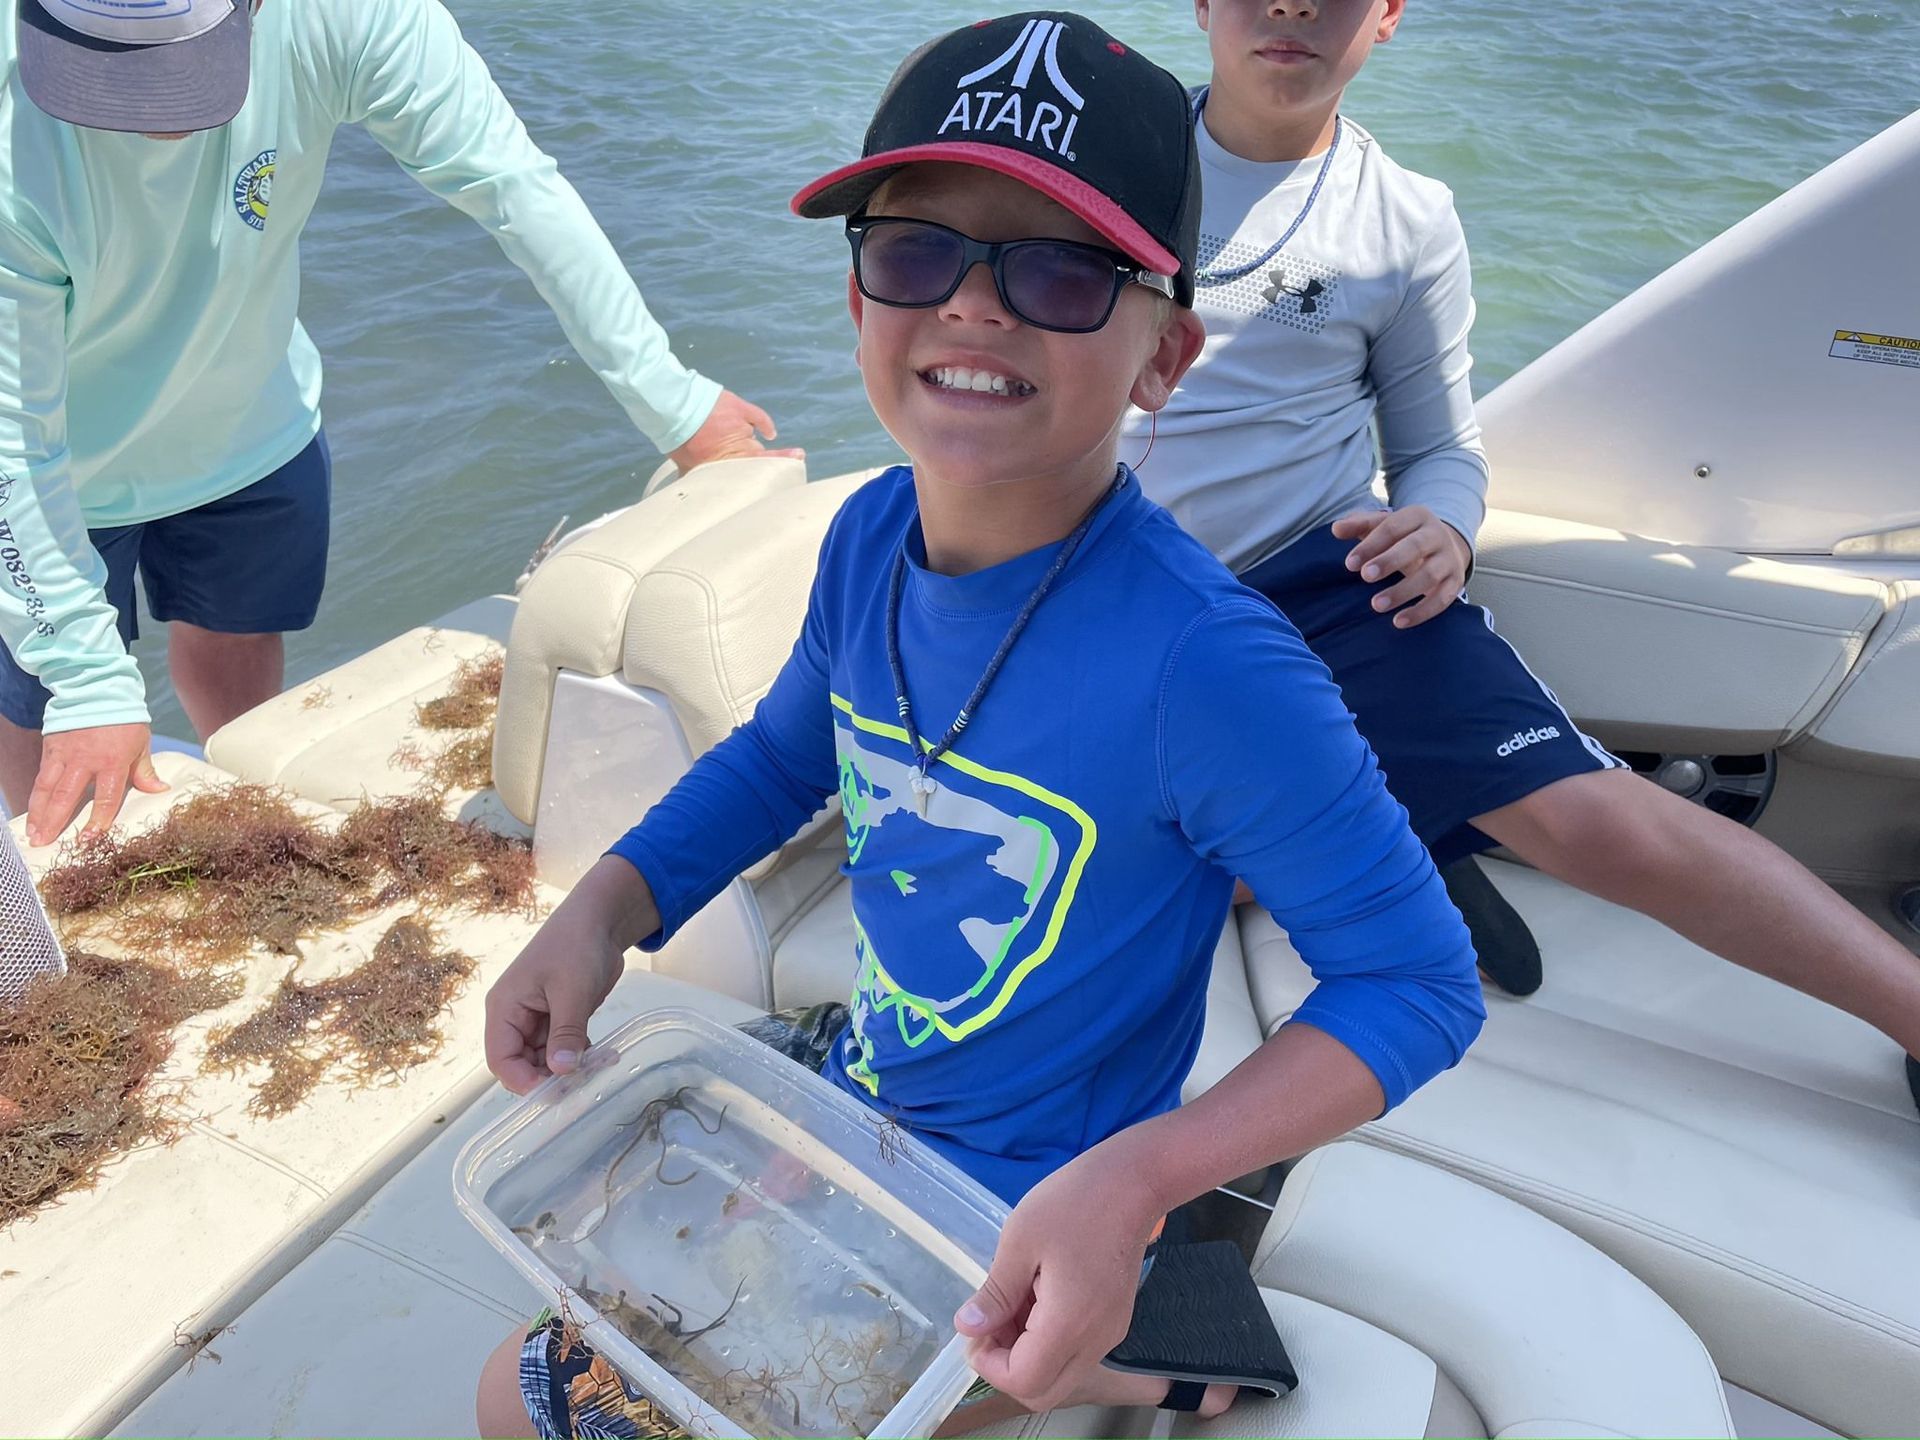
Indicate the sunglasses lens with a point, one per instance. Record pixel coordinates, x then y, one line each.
909 264
1059 287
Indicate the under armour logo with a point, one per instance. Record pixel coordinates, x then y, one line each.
1308 295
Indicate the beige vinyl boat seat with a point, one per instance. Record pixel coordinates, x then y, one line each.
354 732
1749 1153
1638 636
178 1237
1412 1303
1870 723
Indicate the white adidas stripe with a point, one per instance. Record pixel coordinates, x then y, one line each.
1594 747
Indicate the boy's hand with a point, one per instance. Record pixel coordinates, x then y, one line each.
732 429
1429 555
537 1011
1060 1293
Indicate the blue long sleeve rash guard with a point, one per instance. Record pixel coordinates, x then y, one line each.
1033 952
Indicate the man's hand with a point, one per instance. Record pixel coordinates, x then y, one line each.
103 758
1061 1290
732 430
1429 555
537 1011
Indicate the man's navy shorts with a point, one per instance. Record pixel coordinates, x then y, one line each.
1461 727
250 563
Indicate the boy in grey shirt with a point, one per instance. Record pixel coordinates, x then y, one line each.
1337 298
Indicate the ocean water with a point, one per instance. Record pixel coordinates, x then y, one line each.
1589 145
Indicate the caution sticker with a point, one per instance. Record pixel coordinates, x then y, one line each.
1876 349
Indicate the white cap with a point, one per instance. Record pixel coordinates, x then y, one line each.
140 22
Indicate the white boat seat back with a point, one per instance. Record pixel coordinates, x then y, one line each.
574 610
1739 653
1544 1335
701 632
711 624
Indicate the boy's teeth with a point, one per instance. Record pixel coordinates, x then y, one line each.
955 377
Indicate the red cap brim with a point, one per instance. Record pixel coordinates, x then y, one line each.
844 191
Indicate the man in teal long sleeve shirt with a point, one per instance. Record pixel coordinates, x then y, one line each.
159 399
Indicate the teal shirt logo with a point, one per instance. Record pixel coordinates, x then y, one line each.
253 189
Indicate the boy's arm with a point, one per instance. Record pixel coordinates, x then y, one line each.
737 803
406 74
1419 369
1075 1242
1264 772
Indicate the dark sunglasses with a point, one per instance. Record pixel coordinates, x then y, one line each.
1049 284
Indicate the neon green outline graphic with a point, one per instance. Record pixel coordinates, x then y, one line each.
904 1002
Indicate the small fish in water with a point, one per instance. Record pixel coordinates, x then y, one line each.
683 1232
733 1199
873 1290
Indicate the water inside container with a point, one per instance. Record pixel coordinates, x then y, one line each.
731 1247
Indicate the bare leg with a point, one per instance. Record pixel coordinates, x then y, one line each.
221 676
498 1411
19 764
1720 885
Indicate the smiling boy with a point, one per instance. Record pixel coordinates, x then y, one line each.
1007 640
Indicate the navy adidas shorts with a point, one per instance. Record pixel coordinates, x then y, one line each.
250 563
1460 725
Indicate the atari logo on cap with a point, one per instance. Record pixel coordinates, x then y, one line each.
978 110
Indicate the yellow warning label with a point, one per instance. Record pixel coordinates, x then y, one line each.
1876 349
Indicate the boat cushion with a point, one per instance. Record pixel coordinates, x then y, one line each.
1474 1281
1609 619
814 963
710 625
1870 723
1749 1153
334 740
574 610
1356 1379
172 1233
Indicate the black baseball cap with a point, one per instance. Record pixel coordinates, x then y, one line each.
155 66
1050 98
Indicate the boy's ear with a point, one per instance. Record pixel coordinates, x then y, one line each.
1389 21
856 302
1202 12
1178 347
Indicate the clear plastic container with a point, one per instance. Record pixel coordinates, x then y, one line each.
757 1251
